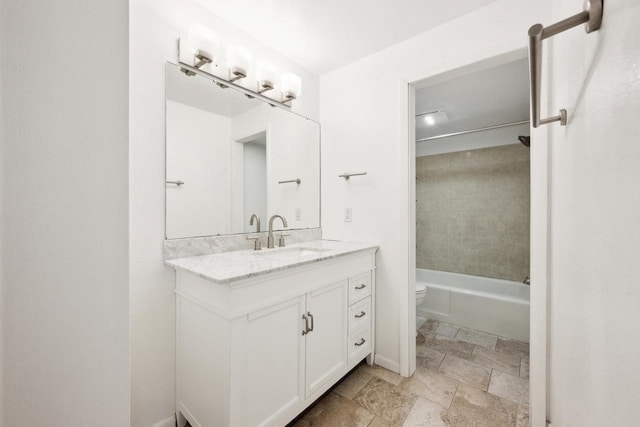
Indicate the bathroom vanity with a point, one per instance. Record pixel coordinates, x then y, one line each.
262 334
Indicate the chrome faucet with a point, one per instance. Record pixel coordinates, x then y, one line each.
270 244
527 281
257 218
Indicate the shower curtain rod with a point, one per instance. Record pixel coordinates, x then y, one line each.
521 122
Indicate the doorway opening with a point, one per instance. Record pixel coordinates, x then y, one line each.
471 228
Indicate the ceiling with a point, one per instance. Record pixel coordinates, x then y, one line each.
490 97
324 35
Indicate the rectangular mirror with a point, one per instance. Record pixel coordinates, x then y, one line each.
230 156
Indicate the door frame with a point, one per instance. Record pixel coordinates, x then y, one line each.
539 238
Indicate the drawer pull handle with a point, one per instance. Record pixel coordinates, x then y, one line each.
306 325
362 341
362 313
361 286
310 318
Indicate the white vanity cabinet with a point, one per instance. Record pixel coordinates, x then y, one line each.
326 347
286 365
259 350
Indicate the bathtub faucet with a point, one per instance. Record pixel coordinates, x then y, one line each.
527 281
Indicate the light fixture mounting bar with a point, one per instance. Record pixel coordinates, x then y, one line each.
223 82
202 60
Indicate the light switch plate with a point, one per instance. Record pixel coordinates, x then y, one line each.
347 214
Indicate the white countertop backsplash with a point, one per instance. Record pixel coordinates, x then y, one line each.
228 267
195 246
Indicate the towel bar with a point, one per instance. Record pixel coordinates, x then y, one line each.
592 17
349 175
297 181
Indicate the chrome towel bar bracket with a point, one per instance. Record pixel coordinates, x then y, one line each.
346 175
592 18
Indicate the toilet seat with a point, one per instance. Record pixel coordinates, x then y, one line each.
420 288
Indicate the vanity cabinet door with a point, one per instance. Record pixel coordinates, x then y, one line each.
275 358
326 352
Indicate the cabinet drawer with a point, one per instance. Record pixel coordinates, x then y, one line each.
360 315
359 287
359 344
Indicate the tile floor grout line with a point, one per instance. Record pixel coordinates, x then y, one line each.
454 395
490 378
408 413
442 360
520 369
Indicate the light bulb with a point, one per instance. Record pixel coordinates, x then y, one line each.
291 86
267 76
239 61
204 43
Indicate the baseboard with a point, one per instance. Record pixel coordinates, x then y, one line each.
431 314
167 422
389 364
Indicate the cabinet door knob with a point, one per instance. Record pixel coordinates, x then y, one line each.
362 313
362 341
361 286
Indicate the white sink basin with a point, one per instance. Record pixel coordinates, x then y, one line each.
291 253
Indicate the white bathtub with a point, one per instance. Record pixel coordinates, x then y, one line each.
500 307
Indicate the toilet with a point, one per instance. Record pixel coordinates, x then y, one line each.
421 291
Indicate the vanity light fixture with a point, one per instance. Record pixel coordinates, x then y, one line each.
291 87
267 75
202 48
199 54
239 60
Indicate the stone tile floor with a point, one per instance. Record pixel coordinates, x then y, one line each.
463 378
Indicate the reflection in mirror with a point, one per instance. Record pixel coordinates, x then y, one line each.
230 157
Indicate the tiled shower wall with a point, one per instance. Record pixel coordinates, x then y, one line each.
472 212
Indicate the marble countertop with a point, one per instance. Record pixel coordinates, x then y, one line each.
228 267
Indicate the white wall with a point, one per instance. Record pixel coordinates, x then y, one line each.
293 152
198 154
595 220
364 115
2 144
154 26
65 220
254 183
